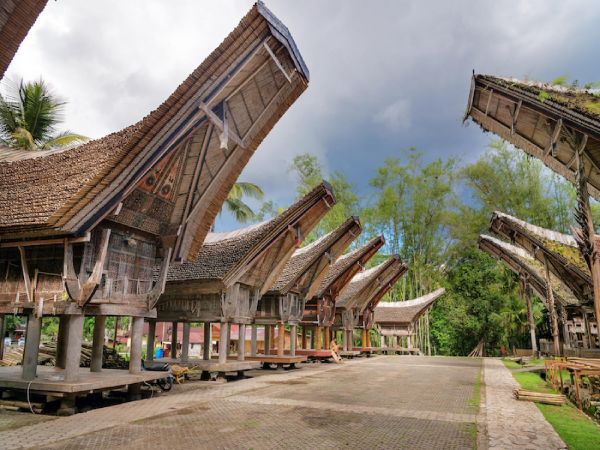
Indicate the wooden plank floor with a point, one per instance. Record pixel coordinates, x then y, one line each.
212 365
274 359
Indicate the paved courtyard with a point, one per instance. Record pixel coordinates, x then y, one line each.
377 403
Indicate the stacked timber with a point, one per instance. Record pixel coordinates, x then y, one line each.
47 357
539 397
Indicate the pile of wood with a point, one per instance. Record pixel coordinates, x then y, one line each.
47 356
478 351
539 397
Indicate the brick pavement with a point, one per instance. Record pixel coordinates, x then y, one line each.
513 424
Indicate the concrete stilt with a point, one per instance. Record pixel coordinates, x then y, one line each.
61 341
174 340
185 342
242 342
207 341
281 339
253 339
98 343
135 353
267 339
293 337
223 343
32 347
150 340
73 347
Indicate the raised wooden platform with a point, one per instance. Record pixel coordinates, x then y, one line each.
349 353
314 354
280 361
50 380
212 366
367 350
401 350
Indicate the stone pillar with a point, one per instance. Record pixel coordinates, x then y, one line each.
61 341
135 353
32 347
293 338
73 347
281 340
185 342
98 343
267 339
327 338
207 341
241 342
150 340
174 340
303 341
223 343
253 339
319 339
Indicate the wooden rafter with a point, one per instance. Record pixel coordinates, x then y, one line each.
277 62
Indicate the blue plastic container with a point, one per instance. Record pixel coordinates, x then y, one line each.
159 353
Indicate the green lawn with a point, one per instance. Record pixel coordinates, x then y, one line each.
577 430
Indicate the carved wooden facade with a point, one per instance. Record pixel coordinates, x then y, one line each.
302 275
83 229
233 270
320 308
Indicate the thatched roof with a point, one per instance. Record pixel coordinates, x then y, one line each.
346 266
548 122
241 83
558 250
255 255
523 264
308 264
360 291
16 18
407 312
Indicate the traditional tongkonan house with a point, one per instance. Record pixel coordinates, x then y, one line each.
232 271
299 280
319 312
355 305
558 255
561 127
532 276
16 18
404 326
82 228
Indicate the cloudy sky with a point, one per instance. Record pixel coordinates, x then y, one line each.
385 75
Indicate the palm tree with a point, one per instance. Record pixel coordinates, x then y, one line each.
29 114
236 206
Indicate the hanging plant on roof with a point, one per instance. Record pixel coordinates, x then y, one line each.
29 116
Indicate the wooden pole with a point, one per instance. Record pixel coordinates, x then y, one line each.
2 333
32 347
267 342
185 341
135 353
293 337
73 348
98 343
253 340
115 334
174 340
364 339
552 310
207 341
223 343
319 339
150 340
241 356
280 339
428 335
327 338
61 341
530 318
303 343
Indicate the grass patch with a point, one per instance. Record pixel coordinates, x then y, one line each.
577 430
476 398
510 364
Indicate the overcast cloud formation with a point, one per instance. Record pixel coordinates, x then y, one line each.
385 75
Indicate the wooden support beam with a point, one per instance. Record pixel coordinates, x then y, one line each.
515 116
293 338
135 354
174 326
253 340
487 105
73 347
98 343
277 62
159 287
281 339
39 242
551 309
150 340
223 342
220 125
207 341
554 139
26 276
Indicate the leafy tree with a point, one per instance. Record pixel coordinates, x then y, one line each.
235 204
29 115
310 173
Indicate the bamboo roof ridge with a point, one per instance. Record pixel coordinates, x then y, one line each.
255 255
70 191
308 264
16 19
558 250
389 279
359 292
551 123
523 264
406 312
346 266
